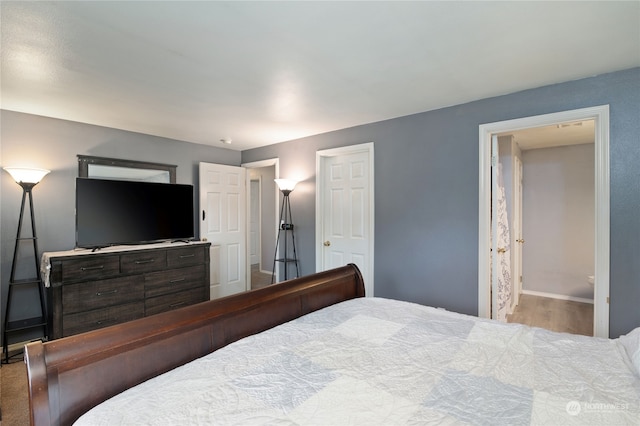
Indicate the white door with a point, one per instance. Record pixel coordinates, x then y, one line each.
344 233
517 231
223 223
494 226
254 222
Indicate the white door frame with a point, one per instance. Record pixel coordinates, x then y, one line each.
516 237
249 214
320 187
256 165
600 114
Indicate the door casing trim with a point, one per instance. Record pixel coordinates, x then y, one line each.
600 114
256 165
334 152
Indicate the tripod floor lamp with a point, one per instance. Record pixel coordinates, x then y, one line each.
27 179
287 254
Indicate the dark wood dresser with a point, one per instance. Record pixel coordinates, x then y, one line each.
86 290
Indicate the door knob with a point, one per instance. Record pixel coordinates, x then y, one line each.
327 243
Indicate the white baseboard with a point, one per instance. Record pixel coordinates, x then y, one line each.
17 346
557 296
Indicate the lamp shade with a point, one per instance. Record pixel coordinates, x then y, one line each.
286 184
26 175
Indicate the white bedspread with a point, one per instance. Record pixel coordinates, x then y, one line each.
376 361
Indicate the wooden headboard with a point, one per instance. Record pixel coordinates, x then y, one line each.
69 376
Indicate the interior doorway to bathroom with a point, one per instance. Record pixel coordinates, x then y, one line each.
549 184
487 296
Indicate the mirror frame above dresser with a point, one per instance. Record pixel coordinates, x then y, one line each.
115 168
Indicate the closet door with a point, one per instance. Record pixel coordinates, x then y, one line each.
223 223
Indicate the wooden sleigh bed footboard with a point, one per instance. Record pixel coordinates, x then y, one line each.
69 376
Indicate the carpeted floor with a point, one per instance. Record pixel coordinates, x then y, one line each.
14 400
259 279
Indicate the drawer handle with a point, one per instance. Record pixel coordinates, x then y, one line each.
175 305
109 321
91 268
176 280
102 293
184 256
140 262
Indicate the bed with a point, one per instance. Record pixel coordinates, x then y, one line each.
315 351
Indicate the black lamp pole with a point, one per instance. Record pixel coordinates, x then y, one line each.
286 225
27 179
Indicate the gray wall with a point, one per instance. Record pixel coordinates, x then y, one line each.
426 165
559 220
34 141
426 210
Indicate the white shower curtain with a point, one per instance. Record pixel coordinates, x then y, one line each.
503 251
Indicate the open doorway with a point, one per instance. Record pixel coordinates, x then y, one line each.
262 207
487 295
548 184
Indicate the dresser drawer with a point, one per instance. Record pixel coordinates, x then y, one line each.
168 302
90 267
94 290
99 294
143 261
174 280
99 318
185 256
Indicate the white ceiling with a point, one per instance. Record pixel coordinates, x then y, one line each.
569 133
264 72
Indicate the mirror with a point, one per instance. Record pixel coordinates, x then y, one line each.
112 168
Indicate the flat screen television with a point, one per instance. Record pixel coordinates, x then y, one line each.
118 212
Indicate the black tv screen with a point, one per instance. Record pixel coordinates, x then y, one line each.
113 212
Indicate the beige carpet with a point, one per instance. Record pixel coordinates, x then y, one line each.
14 399
259 279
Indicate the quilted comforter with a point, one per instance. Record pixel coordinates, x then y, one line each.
378 361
